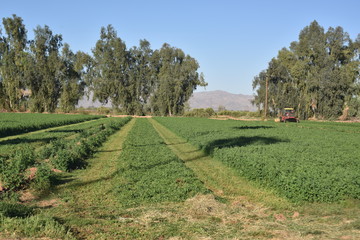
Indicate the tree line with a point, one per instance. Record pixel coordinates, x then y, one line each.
43 74
318 75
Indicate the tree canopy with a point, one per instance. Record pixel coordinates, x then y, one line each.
318 75
43 74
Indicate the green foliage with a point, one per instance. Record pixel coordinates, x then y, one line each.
13 168
318 75
312 162
238 113
67 155
36 74
12 63
177 78
13 210
16 123
43 73
43 179
103 110
140 79
72 84
200 112
153 173
36 226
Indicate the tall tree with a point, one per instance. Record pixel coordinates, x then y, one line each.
317 75
177 79
142 77
108 78
2 51
72 83
45 79
12 49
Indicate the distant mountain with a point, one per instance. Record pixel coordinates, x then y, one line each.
214 99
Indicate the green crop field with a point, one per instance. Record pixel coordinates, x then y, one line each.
153 173
181 178
16 123
314 162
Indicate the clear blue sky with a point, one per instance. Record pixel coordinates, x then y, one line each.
233 40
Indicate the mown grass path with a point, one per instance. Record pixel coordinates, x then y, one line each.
87 203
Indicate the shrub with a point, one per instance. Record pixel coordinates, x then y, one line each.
200 112
43 178
13 168
239 113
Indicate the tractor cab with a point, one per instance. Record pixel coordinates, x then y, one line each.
288 115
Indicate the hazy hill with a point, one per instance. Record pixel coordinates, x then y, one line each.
214 99
207 99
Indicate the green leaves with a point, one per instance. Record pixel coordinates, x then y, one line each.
43 74
317 75
140 80
177 79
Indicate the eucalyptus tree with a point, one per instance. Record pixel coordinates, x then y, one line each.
142 77
316 75
72 83
2 51
45 76
108 78
176 81
12 58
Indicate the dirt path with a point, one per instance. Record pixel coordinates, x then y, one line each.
87 202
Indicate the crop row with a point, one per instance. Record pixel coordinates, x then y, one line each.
64 154
16 123
152 172
306 162
40 139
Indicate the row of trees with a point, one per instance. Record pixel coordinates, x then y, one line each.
318 75
43 74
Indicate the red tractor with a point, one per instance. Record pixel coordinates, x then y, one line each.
288 115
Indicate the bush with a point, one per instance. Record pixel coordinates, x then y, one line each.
13 168
43 178
103 110
239 113
200 112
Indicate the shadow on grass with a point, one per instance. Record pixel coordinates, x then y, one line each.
76 184
112 150
26 140
240 142
156 144
66 131
251 127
